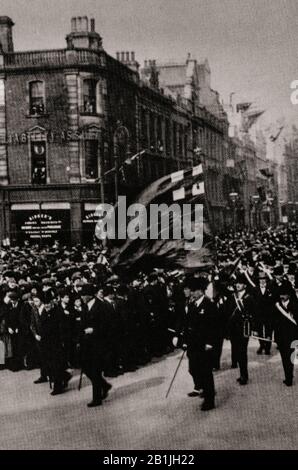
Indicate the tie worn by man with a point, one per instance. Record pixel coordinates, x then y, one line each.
197 334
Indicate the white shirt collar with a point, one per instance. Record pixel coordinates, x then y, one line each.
91 303
199 301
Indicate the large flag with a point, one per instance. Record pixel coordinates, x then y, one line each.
184 187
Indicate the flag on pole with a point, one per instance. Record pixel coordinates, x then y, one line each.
184 187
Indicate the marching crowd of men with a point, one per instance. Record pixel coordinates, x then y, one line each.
63 309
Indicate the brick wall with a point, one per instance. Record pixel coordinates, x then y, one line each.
18 122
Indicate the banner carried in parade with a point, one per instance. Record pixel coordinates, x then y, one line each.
178 196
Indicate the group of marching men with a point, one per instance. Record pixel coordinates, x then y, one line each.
61 310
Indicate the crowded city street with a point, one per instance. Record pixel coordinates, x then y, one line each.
148 229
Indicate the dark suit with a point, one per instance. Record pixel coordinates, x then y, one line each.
38 320
264 316
199 331
52 343
67 327
286 331
14 323
239 314
95 347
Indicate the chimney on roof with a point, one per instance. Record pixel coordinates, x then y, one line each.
80 36
6 39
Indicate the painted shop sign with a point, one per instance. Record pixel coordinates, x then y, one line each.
46 226
89 221
60 137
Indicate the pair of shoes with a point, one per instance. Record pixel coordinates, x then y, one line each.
94 403
58 391
288 382
207 405
242 381
41 380
194 393
106 390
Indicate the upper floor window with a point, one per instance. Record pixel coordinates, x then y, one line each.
89 96
38 162
36 97
91 158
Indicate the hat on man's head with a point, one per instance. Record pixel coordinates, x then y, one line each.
14 295
87 290
278 271
198 283
47 297
240 279
284 289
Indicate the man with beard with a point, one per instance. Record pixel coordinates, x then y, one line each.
198 334
95 342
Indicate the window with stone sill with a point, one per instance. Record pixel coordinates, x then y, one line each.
36 98
89 96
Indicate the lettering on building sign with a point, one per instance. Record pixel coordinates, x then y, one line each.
48 226
60 137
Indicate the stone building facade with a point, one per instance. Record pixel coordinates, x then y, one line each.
68 117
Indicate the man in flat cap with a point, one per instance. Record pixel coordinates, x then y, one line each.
197 333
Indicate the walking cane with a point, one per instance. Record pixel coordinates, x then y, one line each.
176 371
80 381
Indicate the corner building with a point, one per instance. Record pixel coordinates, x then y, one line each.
68 116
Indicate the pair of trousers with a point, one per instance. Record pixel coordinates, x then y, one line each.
239 353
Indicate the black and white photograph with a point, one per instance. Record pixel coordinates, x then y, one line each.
148 228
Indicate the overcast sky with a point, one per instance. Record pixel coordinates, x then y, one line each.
251 45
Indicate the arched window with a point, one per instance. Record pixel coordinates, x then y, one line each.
36 98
